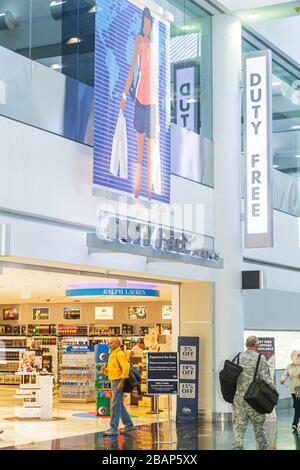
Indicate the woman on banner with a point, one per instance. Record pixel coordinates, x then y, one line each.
292 372
145 92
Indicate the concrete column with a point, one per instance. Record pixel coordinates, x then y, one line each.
229 321
196 306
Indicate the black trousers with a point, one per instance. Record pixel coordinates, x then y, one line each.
297 409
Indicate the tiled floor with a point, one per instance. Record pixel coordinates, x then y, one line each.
85 433
75 420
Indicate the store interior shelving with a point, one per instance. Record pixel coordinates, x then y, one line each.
53 340
77 376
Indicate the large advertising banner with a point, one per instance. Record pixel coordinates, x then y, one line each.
132 99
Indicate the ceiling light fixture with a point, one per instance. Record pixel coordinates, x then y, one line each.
188 27
295 127
74 41
297 156
56 66
56 9
275 166
7 21
251 16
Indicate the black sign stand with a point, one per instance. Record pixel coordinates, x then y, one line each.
153 410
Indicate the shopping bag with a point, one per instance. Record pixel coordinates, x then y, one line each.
156 168
119 153
228 378
260 396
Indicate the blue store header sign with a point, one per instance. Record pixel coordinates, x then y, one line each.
162 373
187 400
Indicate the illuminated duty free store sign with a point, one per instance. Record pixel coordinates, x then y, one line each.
258 150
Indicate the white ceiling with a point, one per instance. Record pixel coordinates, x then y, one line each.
245 4
41 286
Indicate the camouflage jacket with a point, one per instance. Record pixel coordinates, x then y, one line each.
248 361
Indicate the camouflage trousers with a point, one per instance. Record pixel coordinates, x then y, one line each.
242 413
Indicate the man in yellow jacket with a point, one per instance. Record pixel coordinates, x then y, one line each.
117 370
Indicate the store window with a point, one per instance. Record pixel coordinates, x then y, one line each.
60 35
190 65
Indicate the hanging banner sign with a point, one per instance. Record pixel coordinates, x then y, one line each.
258 150
187 400
187 103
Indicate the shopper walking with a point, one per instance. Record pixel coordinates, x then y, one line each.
242 412
117 370
292 372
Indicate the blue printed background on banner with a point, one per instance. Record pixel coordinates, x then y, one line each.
118 22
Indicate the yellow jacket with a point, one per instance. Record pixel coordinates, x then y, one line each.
118 365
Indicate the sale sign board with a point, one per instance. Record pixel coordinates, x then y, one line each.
187 400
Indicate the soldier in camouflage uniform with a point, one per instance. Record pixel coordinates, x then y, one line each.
242 412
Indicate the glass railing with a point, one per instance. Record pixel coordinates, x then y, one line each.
35 95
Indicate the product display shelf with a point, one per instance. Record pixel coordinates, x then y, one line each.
42 330
29 393
13 330
9 364
76 376
63 342
72 330
98 330
12 342
36 392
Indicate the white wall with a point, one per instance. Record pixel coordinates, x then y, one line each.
286 242
271 310
243 4
277 279
52 176
287 39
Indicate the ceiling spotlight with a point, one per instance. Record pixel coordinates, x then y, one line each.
275 166
188 27
7 21
25 295
57 66
56 9
74 41
251 16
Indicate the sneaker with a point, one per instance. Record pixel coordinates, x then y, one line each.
109 434
128 430
295 428
1 431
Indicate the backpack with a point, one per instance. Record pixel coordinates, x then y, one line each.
134 380
228 378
